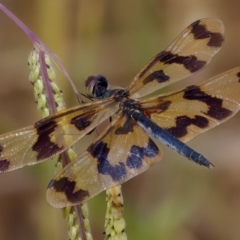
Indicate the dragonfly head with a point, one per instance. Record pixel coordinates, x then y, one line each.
96 86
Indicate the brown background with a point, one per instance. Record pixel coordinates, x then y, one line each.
175 199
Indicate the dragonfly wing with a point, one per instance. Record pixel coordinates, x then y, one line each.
123 151
191 51
51 135
197 108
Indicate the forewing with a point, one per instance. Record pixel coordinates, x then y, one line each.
190 52
51 135
123 151
197 108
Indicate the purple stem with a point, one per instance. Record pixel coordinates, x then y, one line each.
41 46
47 85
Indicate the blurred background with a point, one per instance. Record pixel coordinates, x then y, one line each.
175 199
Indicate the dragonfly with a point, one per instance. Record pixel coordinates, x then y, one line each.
139 116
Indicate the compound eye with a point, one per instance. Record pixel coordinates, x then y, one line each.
96 86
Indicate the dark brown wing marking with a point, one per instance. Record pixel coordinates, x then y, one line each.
83 121
44 141
137 154
196 109
190 52
4 163
100 152
67 188
215 104
183 122
120 153
52 135
127 127
158 76
190 63
200 31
